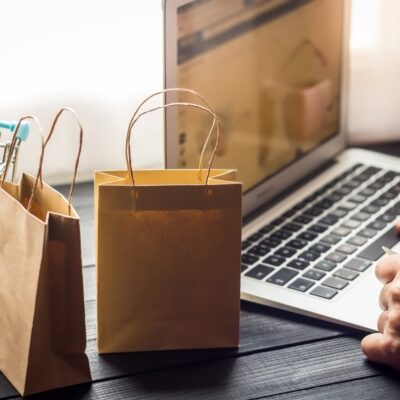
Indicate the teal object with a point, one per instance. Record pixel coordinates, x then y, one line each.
23 131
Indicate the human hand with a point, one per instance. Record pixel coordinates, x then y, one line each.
384 347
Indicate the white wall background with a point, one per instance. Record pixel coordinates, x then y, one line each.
374 108
101 57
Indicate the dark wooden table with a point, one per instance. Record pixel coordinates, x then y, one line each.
281 356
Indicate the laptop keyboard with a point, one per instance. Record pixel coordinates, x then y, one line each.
329 239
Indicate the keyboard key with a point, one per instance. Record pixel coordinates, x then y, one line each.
375 251
396 188
380 202
336 257
267 229
320 248
249 259
297 243
270 243
303 219
318 228
357 240
387 217
367 192
292 227
259 272
372 170
348 206
274 260
309 236
377 225
331 239
244 267
324 204
278 221
347 249
341 231
324 292
361 216
370 209
298 264
283 276
388 176
325 265
285 252
345 190
362 177
376 185
309 255
329 219
259 251
334 197
314 211
353 183
358 265
246 244
340 212
314 274
300 284
256 236
335 283
346 274
281 235
351 224
358 199
389 195
368 233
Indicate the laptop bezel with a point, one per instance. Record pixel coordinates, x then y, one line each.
276 184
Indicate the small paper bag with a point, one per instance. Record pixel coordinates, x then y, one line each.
168 256
42 316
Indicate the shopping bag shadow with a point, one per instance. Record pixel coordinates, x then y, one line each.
173 371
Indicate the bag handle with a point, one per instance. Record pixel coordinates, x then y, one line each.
53 126
136 116
13 144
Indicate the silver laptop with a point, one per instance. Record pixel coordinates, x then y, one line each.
316 214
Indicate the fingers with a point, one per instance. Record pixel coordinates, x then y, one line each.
384 298
387 268
382 349
382 321
398 226
373 347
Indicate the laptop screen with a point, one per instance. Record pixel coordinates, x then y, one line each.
271 69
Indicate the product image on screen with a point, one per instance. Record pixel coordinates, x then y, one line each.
270 69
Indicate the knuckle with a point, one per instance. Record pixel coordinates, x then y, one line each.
393 319
394 291
392 345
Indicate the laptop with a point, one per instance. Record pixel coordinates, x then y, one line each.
316 214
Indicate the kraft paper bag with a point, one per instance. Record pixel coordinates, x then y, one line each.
42 317
168 255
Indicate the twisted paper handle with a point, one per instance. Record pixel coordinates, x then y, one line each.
53 126
136 115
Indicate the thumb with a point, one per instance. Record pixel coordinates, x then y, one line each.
373 347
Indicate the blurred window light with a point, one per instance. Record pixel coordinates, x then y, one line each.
365 20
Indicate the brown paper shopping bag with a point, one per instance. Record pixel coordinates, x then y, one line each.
168 255
42 317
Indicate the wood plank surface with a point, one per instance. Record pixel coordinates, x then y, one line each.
257 375
282 355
